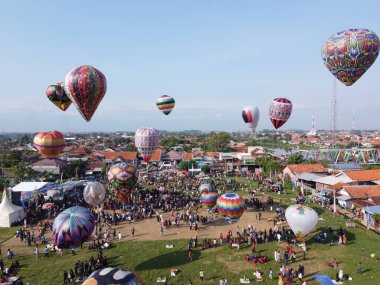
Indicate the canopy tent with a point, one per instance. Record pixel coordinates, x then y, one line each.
10 213
24 191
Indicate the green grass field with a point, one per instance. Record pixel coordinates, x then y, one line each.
150 259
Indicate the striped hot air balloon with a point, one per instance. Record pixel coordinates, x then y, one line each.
165 104
209 199
146 142
231 206
49 144
280 110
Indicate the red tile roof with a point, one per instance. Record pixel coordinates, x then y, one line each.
112 155
303 168
364 175
156 156
187 156
363 192
96 164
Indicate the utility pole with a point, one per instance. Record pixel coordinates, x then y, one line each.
334 112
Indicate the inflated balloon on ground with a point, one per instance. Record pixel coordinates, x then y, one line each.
112 276
57 95
208 199
146 142
49 144
206 187
123 178
350 53
94 193
86 87
72 227
280 110
231 206
301 219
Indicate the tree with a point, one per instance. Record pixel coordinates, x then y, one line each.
296 158
186 164
75 169
206 169
22 171
288 137
219 142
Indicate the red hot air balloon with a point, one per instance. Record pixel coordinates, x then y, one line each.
279 111
86 87
49 144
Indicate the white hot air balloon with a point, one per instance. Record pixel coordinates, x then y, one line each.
146 142
251 116
301 220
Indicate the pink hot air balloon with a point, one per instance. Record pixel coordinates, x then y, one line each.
86 87
279 111
146 141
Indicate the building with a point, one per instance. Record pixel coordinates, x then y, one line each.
292 171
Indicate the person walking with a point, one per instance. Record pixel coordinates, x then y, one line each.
359 268
119 235
133 231
201 275
190 255
36 250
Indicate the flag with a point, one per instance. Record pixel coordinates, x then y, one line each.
292 185
270 174
302 190
275 173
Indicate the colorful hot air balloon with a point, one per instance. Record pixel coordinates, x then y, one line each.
206 187
350 53
57 95
251 116
123 177
114 276
94 193
209 199
279 111
86 87
301 220
231 206
146 141
72 227
49 144
165 104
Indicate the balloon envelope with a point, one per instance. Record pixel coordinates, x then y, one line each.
279 111
146 142
115 276
72 227
57 95
94 193
231 206
123 177
209 199
86 87
165 104
301 219
350 53
251 116
206 187
49 144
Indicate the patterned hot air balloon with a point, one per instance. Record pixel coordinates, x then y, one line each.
94 193
350 53
209 199
72 227
231 206
114 276
251 116
206 187
123 177
301 220
146 141
86 87
49 144
57 95
165 104
279 111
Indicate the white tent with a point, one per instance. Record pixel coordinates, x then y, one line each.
10 213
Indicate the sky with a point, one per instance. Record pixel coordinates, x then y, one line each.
214 57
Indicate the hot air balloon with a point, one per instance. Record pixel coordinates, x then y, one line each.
231 206
57 95
251 116
206 187
165 104
123 177
94 193
86 87
209 199
350 53
279 111
49 144
114 276
72 227
301 220
146 141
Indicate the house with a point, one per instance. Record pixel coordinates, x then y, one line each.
172 156
291 171
370 217
364 177
329 181
351 193
113 157
309 179
48 165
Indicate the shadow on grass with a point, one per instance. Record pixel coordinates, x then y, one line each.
168 260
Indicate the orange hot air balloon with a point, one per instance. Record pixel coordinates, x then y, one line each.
49 144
